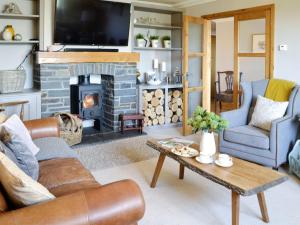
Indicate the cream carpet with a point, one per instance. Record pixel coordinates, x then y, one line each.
192 201
197 201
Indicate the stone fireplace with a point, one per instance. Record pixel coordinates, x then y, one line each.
118 85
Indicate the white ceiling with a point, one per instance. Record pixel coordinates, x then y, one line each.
175 3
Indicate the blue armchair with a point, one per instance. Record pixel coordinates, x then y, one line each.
254 144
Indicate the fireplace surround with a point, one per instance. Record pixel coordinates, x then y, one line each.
118 85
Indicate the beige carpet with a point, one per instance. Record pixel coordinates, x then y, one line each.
192 201
197 201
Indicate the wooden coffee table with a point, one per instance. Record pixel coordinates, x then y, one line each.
243 178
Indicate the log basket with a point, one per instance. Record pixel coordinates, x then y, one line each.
70 128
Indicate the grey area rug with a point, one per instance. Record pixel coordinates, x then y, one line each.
115 153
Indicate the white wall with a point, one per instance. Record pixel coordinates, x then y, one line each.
286 30
11 55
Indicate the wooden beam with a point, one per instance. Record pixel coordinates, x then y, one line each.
267 43
272 33
236 77
206 66
252 15
236 12
196 20
251 54
194 89
196 54
86 57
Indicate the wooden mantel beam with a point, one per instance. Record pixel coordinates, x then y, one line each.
87 57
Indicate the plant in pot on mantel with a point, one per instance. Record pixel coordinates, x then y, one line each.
154 41
208 123
140 40
166 41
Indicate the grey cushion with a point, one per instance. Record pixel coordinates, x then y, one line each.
53 147
248 135
7 151
27 161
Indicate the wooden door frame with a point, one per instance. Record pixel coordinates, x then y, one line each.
268 13
205 54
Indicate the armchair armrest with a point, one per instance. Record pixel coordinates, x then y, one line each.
283 135
119 203
47 127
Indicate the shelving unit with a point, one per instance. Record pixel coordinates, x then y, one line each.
18 42
19 16
157 49
157 26
169 23
26 24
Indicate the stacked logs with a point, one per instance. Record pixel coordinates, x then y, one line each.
153 107
174 112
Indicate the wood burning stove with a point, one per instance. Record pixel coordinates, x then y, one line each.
86 100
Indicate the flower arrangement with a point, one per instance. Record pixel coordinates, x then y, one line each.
206 121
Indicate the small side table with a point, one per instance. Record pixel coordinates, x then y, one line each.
138 118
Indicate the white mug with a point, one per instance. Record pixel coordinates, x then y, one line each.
224 159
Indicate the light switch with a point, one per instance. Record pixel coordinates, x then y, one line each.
283 47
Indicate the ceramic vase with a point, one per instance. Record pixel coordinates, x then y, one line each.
154 43
8 33
207 143
167 43
140 43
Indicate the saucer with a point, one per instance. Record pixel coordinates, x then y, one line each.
230 163
204 162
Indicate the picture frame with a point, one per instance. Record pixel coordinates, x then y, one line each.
258 43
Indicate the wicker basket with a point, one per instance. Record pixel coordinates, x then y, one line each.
12 81
70 128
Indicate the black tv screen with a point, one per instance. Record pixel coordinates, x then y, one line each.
91 22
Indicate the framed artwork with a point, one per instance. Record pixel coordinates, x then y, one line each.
258 43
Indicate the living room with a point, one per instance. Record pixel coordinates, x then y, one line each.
149 112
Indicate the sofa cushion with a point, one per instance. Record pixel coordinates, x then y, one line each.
53 147
63 172
248 135
21 189
26 160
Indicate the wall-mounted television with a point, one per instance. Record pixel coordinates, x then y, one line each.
91 22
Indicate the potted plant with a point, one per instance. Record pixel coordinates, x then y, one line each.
140 40
154 41
166 41
209 123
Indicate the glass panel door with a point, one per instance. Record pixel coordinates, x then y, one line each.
196 67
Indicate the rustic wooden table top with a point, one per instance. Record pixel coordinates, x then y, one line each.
243 177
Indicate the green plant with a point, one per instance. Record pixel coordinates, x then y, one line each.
166 38
139 36
206 121
154 37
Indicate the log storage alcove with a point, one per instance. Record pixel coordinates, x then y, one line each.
161 104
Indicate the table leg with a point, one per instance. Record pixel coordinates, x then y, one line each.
181 171
235 201
263 207
159 165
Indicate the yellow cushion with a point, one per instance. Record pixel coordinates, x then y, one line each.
279 90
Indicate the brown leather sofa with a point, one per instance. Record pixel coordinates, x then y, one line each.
80 200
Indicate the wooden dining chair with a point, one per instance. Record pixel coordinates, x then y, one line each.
227 95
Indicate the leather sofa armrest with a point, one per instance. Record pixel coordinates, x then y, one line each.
47 127
119 203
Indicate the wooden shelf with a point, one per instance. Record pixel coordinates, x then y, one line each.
18 16
87 57
157 49
18 42
157 26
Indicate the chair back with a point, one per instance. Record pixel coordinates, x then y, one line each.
228 77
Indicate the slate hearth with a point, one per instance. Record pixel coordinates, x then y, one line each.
118 82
